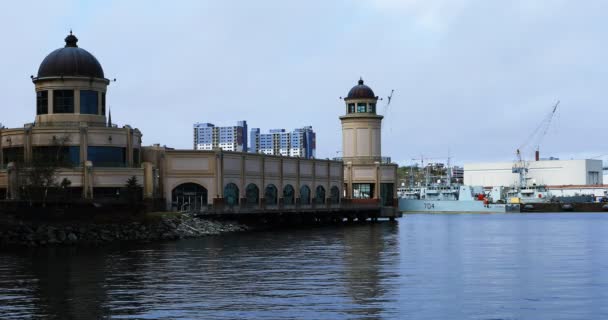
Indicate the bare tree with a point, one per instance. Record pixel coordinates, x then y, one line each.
40 175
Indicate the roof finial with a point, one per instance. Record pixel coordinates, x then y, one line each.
71 40
109 117
360 80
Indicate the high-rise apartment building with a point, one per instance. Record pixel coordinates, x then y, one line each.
208 137
300 142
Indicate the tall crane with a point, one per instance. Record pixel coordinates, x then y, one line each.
539 133
521 165
388 102
385 111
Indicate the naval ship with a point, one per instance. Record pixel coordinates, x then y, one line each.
451 198
446 197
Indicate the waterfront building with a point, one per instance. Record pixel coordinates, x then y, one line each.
71 127
208 137
367 174
300 142
98 157
541 172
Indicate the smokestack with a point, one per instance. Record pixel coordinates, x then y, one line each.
537 155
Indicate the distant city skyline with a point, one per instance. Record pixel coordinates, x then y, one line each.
299 142
472 77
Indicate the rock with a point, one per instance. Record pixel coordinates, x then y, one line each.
50 235
61 236
72 237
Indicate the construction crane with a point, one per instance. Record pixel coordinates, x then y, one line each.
539 133
388 102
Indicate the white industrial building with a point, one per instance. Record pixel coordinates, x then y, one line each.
552 173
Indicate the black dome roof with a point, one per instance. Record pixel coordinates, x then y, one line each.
70 61
361 91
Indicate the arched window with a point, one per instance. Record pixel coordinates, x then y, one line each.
189 196
231 194
304 194
270 194
320 195
252 193
288 195
334 195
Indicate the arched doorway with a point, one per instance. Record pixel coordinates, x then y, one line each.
288 195
189 197
231 194
252 194
304 194
270 194
320 195
334 195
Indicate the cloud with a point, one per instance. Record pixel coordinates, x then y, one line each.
434 15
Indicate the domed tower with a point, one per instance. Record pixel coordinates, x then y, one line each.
367 175
361 126
70 87
70 131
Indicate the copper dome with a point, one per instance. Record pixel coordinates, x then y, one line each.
361 91
70 61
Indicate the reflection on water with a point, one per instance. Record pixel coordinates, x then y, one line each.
426 267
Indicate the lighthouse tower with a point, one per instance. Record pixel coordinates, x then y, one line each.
361 126
367 175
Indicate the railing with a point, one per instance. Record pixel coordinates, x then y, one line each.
344 205
382 160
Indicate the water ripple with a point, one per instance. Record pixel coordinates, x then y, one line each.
424 267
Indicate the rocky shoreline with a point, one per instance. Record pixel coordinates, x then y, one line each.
179 226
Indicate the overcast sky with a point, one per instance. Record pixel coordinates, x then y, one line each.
472 78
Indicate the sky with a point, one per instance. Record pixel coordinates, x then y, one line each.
472 79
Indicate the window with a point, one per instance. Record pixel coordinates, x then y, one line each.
63 101
63 156
386 194
304 195
107 156
361 107
136 159
103 103
88 102
288 195
334 195
42 102
363 190
14 154
320 195
371 108
351 108
108 193
231 194
270 195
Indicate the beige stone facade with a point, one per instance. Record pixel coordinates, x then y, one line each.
99 157
244 179
367 175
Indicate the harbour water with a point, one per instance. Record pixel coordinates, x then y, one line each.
425 266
